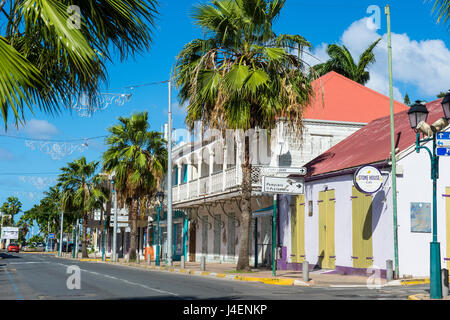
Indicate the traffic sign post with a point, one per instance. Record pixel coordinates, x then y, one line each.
275 180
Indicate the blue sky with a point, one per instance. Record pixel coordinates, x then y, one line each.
421 68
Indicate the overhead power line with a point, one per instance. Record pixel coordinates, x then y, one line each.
51 140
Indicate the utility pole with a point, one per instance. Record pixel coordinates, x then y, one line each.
61 235
387 11
169 182
114 191
274 237
76 237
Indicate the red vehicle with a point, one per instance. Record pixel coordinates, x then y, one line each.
13 247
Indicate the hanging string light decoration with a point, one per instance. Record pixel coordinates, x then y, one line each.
85 106
57 150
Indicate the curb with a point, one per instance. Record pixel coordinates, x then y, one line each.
415 297
414 282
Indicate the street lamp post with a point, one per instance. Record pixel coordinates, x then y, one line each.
160 198
103 238
61 235
114 191
417 116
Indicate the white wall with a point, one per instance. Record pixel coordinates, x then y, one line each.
381 222
416 186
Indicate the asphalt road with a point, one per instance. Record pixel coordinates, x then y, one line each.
26 276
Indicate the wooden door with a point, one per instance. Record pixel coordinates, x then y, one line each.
326 205
362 229
298 229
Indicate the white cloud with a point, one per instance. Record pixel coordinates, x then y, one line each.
40 129
424 64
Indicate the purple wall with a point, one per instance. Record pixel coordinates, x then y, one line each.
282 264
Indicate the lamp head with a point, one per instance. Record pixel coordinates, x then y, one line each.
417 113
159 196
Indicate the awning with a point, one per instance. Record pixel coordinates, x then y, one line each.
263 212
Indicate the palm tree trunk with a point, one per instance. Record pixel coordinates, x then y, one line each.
243 259
84 253
133 235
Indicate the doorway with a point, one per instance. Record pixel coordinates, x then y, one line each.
326 202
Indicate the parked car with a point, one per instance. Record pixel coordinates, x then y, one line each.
13 247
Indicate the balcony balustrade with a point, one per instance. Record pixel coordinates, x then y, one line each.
214 184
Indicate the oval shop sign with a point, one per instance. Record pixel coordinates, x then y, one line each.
368 179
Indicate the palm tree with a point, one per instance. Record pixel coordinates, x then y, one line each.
343 63
442 9
138 157
11 207
80 190
242 76
49 52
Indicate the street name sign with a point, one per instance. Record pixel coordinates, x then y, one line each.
119 218
443 151
51 235
283 185
271 171
119 224
443 139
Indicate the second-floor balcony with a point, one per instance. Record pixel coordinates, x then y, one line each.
225 181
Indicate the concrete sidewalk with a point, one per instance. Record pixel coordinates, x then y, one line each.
319 278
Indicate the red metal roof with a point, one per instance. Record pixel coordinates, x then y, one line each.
346 100
371 144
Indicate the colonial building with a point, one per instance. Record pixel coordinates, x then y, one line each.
336 227
207 173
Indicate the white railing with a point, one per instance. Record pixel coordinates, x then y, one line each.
175 194
204 185
193 189
216 182
183 191
230 178
213 184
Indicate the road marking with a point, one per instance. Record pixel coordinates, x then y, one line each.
28 262
126 281
19 296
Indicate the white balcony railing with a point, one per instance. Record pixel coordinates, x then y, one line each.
230 178
214 184
204 185
183 191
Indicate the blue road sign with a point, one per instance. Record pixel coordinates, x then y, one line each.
443 139
443 135
443 151
51 235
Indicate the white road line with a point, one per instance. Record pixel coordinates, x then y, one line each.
28 262
126 281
